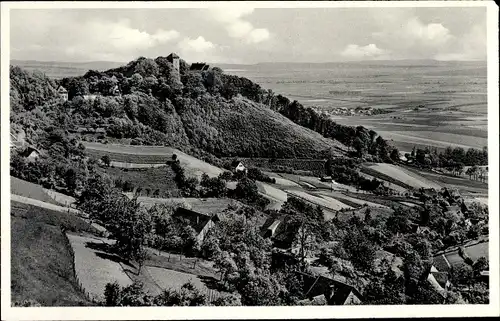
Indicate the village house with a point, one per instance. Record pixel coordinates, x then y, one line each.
327 291
63 93
17 140
30 153
89 97
201 223
238 166
439 280
203 214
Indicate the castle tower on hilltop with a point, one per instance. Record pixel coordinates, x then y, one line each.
174 60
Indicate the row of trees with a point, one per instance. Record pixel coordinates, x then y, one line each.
453 159
364 141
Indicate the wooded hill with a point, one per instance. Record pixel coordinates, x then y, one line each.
205 113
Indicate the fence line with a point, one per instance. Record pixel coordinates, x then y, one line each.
80 287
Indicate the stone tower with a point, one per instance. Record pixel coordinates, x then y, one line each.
174 60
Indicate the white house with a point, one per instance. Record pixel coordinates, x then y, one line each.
240 167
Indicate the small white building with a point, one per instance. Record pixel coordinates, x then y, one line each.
239 167
63 93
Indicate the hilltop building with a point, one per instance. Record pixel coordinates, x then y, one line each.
63 93
174 59
199 66
115 91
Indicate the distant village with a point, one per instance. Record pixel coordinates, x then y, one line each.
358 111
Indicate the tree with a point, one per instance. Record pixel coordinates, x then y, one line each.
212 187
360 250
141 256
480 265
188 295
398 222
112 294
395 154
260 289
106 160
462 274
305 240
225 264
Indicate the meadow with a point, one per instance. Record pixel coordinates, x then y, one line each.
40 258
152 155
95 268
159 181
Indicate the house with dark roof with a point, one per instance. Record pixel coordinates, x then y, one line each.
439 280
199 66
201 223
323 289
202 214
281 232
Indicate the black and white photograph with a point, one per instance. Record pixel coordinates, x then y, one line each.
250 154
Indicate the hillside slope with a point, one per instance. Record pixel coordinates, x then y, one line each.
201 113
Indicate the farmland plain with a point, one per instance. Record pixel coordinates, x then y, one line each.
450 96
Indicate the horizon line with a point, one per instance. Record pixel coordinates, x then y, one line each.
258 63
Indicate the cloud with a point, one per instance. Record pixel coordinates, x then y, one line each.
432 33
97 40
197 45
236 26
121 36
412 39
370 51
472 46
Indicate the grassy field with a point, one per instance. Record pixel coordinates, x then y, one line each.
401 176
462 183
173 280
41 265
161 179
95 268
50 217
353 202
361 212
27 189
41 262
323 201
129 158
152 155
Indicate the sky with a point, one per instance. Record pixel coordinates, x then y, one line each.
246 35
